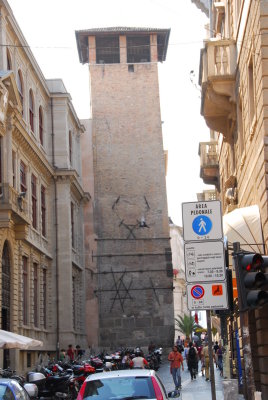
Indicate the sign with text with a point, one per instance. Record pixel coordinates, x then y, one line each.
204 261
202 221
207 296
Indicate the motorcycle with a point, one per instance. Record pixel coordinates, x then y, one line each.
53 386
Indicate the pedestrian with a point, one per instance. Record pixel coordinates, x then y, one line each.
206 359
138 361
78 352
219 359
216 346
176 363
179 341
192 361
62 355
70 352
151 347
126 360
186 349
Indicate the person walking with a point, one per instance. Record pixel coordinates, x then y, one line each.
219 359
70 352
206 360
176 363
192 361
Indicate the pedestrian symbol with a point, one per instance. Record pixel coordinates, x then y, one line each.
202 225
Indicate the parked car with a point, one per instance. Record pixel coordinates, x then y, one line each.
124 385
10 389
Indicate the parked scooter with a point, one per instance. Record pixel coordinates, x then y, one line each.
53 386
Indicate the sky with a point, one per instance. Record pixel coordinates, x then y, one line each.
49 28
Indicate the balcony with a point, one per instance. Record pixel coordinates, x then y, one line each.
217 80
209 162
13 210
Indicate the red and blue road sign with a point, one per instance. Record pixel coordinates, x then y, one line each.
197 292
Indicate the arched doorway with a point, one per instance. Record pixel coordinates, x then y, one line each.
6 297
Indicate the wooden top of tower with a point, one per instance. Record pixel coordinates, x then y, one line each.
99 33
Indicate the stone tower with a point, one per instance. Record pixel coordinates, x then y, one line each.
133 255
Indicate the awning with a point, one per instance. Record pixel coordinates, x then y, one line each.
244 225
10 340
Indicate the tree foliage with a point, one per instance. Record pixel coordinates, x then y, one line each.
185 324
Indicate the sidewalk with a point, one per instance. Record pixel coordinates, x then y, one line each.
198 389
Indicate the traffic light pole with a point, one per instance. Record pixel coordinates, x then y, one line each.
210 353
249 386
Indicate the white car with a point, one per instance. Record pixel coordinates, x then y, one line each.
124 385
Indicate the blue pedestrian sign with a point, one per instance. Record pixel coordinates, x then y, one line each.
202 220
202 225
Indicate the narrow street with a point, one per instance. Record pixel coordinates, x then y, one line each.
197 389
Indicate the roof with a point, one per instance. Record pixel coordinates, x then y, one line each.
82 38
121 374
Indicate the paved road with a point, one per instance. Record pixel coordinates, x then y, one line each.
197 389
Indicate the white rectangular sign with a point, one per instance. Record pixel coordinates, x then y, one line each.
202 221
204 261
207 296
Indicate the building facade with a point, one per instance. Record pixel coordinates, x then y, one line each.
42 274
179 282
233 79
133 255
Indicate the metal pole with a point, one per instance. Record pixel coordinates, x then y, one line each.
210 352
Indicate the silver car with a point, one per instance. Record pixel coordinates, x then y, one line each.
124 385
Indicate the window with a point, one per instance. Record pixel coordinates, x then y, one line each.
138 49
25 290
43 209
41 129
35 293
31 110
70 146
107 50
34 202
23 184
72 223
251 92
20 88
240 127
9 65
13 169
44 298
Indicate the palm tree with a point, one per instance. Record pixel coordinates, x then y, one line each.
185 324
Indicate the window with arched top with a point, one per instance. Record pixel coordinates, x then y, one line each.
31 110
9 65
20 88
41 127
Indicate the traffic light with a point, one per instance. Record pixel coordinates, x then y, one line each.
252 280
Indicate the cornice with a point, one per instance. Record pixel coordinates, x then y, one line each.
76 187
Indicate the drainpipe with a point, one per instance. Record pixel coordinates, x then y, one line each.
56 238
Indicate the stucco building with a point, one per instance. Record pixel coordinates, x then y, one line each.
42 274
233 79
133 255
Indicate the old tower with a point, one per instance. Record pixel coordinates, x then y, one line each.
133 255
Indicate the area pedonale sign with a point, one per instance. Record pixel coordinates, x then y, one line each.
204 255
202 220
